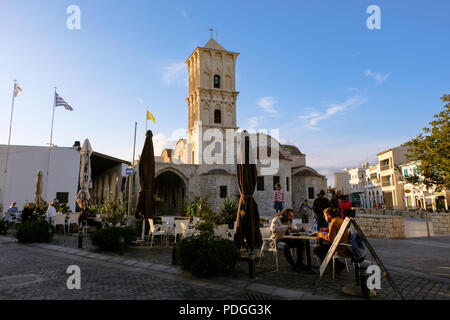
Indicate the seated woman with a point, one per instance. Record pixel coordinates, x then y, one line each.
281 225
332 216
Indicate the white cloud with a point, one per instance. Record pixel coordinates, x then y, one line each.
253 123
176 73
267 104
379 77
314 118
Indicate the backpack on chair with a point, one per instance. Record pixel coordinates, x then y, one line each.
358 248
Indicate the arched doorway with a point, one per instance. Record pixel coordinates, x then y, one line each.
171 189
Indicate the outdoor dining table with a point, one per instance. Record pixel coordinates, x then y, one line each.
306 243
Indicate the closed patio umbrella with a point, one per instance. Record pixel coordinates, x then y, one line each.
38 189
83 195
247 220
145 205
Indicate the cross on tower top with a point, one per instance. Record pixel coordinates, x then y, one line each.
211 30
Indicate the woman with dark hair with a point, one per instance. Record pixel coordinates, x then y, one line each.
327 235
282 225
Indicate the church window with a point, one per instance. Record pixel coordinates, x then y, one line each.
217 116
311 193
276 179
223 191
287 184
260 183
217 81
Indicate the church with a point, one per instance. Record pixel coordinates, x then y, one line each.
204 164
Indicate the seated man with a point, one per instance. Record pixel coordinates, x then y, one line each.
281 225
328 234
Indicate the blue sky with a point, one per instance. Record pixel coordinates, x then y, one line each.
334 88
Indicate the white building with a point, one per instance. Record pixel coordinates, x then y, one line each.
357 185
342 181
373 191
63 180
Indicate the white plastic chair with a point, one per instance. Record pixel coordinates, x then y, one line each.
83 227
178 229
59 220
154 231
187 232
267 240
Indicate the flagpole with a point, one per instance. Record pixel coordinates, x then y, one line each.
7 149
130 187
146 121
50 145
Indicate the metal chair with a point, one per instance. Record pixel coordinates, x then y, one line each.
83 226
272 242
154 230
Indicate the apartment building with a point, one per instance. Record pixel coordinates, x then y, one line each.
357 185
420 197
373 191
390 176
342 181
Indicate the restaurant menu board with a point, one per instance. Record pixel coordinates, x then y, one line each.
334 245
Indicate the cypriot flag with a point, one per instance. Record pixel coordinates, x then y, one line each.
17 90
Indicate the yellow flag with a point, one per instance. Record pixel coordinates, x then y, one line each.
150 117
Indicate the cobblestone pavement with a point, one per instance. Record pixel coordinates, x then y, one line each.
412 263
33 273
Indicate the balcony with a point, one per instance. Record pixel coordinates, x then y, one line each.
385 167
386 184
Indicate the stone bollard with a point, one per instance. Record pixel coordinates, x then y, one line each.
121 245
363 276
80 240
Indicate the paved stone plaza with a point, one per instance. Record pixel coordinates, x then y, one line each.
419 266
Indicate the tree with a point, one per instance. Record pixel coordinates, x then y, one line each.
431 151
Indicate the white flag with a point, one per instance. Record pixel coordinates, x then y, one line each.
17 90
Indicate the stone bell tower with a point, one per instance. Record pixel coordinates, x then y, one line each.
212 95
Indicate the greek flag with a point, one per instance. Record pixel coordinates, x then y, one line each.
60 102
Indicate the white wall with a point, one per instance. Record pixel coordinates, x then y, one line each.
23 165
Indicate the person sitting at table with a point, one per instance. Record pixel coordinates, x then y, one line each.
332 215
27 213
281 225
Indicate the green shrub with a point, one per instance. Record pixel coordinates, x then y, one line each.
228 212
108 238
35 231
113 211
207 256
4 225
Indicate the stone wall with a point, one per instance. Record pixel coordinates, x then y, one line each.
441 223
380 226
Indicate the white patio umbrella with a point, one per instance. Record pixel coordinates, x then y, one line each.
83 195
38 189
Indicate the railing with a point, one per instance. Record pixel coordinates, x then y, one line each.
386 184
385 167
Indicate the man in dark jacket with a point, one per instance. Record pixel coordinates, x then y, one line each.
320 204
334 203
